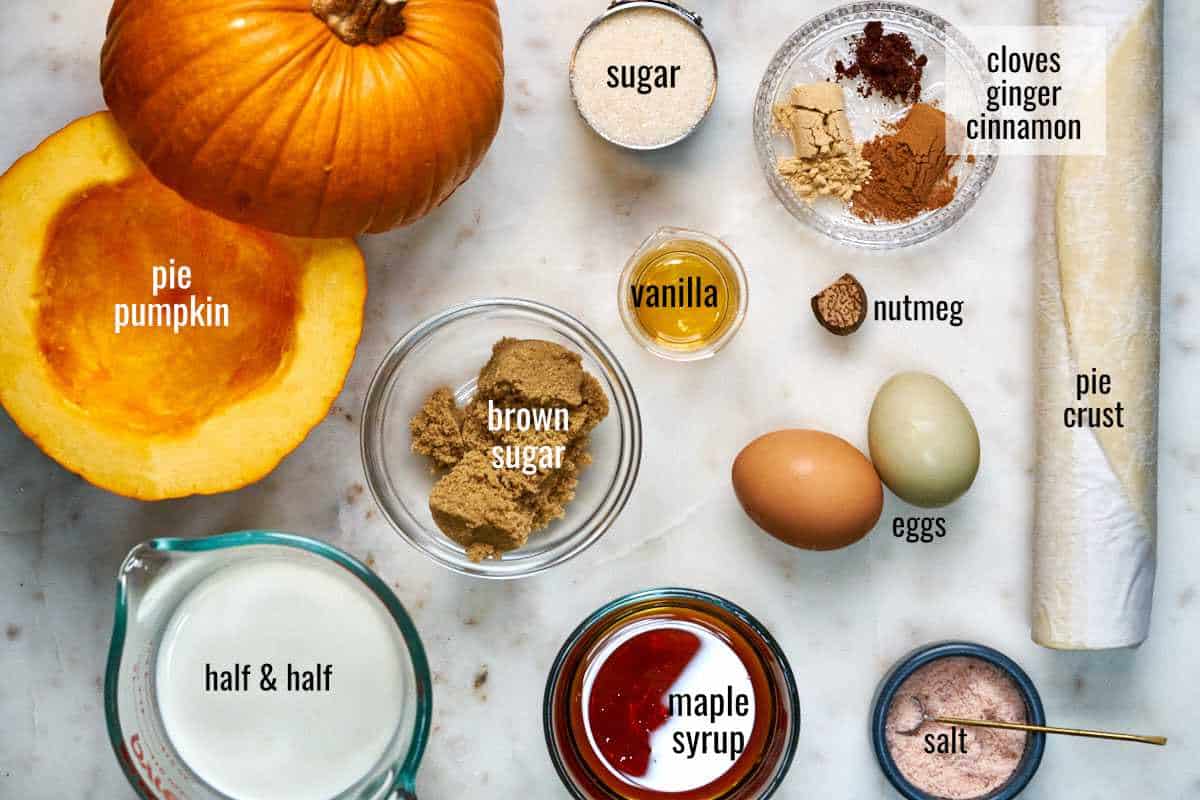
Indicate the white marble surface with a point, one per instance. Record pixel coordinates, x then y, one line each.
551 215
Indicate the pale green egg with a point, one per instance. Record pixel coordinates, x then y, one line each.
923 440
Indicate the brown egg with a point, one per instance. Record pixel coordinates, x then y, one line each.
810 489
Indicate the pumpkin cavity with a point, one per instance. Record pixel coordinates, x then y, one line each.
100 250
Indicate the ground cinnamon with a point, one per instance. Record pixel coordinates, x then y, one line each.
887 62
910 169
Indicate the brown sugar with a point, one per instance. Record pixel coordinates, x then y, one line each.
514 453
532 371
910 169
473 507
437 429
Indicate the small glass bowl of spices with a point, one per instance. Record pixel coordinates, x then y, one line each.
671 693
501 437
644 74
849 127
927 760
683 294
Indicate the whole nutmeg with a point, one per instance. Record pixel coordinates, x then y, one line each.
841 307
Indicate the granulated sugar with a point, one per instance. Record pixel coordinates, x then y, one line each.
644 77
968 688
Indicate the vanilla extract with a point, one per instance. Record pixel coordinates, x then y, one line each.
682 293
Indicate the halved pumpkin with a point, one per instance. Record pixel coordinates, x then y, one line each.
151 410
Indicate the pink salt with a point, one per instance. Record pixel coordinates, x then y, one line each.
964 687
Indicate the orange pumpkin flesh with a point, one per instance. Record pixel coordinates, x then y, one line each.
307 117
150 379
149 412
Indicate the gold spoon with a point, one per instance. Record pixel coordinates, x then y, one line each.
1021 726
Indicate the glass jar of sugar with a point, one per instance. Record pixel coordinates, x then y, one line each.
644 74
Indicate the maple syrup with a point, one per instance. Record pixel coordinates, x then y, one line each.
671 694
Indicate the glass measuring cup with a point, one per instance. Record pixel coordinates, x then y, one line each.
154 580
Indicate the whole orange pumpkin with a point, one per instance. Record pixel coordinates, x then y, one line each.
308 117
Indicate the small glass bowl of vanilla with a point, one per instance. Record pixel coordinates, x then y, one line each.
683 294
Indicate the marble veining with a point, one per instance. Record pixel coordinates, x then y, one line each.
552 215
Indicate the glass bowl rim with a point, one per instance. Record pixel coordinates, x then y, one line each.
623 399
905 234
1035 747
673 593
404 779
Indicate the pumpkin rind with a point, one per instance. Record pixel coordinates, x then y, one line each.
256 110
235 445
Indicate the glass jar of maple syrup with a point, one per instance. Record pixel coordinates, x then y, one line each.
671 694
683 294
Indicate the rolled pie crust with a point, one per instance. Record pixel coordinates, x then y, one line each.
1099 254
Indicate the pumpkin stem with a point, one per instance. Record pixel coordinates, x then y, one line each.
362 21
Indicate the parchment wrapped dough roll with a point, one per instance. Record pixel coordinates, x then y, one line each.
1098 261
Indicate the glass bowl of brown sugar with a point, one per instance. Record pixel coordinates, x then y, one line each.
874 198
449 376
